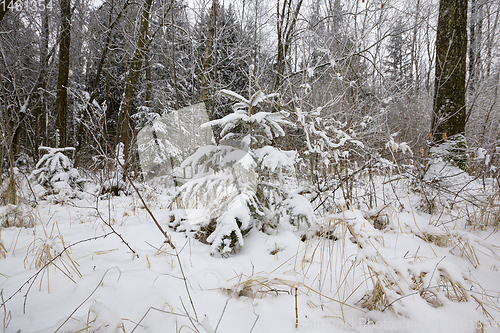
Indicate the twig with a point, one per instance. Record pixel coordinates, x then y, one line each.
29 186
159 310
434 271
79 306
255 322
6 315
296 309
227 301
189 317
185 281
113 230
164 233
32 279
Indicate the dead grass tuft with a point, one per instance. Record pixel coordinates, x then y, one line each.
3 250
51 251
487 214
260 285
19 216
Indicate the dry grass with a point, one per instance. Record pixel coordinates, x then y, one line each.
260 285
386 281
3 250
20 216
51 251
462 243
151 198
487 214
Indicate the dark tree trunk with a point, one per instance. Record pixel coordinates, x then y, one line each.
63 77
207 57
287 16
9 196
475 32
40 109
449 116
126 132
148 98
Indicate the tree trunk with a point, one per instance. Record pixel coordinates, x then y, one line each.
476 27
40 111
9 195
205 96
449 116
134 71
286 20
148 98
490 36
414 75
63 77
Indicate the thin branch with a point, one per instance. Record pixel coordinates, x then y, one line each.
32 279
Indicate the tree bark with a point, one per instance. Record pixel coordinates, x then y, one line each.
131 83
9 195
63 76
4 7
286 20
476 28
205 96
449 116
491 29
40 110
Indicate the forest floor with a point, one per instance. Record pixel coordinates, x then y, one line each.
74 271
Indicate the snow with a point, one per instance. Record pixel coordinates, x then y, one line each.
272 158
299 208
241 157
98 285
246 244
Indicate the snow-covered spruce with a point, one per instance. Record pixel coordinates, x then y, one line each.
55 172
239 182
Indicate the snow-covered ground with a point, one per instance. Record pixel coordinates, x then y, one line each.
74 271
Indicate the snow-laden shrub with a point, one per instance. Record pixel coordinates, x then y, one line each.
114 183
241 183
331 152
55 172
